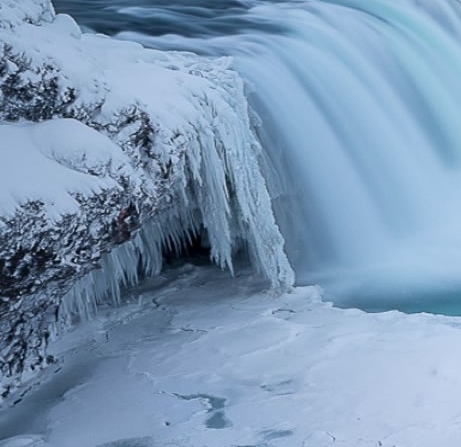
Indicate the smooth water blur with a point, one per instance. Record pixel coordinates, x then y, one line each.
188 18
360 102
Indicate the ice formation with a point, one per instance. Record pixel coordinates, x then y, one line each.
122 151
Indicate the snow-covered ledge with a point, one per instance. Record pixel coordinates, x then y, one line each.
109 152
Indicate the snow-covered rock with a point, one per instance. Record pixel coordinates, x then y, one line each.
106 143
14 12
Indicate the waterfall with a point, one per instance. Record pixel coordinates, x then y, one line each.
363 105
360 108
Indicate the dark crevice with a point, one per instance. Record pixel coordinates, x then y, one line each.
195 248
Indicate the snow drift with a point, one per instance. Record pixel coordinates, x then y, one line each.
110 153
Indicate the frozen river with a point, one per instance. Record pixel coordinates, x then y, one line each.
199 359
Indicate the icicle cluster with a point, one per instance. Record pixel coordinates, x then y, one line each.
219 188
122 266
216 184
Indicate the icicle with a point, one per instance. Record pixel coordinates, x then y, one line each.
218 189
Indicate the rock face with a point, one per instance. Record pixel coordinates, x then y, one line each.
110 152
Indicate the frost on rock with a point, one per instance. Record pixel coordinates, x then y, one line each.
111 155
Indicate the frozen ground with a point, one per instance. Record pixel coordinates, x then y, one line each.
198 359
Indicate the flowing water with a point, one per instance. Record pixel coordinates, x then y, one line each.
360 102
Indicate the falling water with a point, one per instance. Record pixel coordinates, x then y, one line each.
360 105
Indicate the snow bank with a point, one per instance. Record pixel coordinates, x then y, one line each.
100 137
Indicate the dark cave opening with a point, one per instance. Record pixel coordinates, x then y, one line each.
194 248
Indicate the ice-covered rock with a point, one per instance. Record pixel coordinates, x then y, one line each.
111 153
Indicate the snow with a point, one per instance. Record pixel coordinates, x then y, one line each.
14 12
196 358
42 163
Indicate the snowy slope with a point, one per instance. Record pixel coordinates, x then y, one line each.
200 360
105 142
